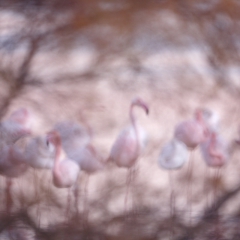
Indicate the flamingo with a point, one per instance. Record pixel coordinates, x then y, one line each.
215 153
73 135
65 171
192 133
129 143
16 126
172 157
76 140
39 153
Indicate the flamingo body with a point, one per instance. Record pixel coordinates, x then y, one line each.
128 146
65 171
73 135
88 158
39 153
214 151
173 155
76 143
16 126
11 161
192 132
131 140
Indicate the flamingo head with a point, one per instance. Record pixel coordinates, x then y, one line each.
139 102
54 138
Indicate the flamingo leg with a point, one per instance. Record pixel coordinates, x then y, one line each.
189 187
36 184
172 203
85 200
216 192
133 177
76 196
206 187
9 201
128 182
69 201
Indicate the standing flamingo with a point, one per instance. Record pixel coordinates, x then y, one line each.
215 153
192 133
129 143
76 140
65 171
172 157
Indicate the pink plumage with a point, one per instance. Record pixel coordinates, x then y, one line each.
214 151
65 171
130 142
192 132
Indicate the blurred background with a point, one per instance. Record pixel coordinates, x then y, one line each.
92 57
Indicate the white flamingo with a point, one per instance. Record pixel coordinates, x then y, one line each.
173 156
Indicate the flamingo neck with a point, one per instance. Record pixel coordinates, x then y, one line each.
200 119
212 143
58 150
134 124
132 116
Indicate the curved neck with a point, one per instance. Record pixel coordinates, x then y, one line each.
58 149
133 121
132 117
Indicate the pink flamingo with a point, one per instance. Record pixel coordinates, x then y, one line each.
65 171
129 143
192 133
215 153
77 145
